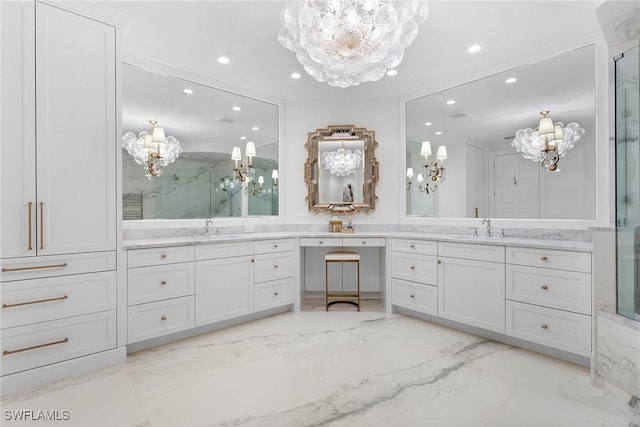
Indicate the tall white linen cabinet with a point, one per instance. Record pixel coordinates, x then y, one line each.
58 188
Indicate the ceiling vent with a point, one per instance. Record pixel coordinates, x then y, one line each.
458 115
225 119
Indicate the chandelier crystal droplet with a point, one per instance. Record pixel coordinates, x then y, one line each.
347 42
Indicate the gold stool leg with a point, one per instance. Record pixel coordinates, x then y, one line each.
358 284
326 286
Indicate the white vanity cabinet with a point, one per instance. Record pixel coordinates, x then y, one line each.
549 298
224 281
471 286
274 273
414 275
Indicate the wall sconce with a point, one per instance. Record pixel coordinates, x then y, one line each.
254 189
274 180
548 142
434 171
409 178
244 170
152 150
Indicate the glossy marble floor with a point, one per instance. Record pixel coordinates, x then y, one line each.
340 368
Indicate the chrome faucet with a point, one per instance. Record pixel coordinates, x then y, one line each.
488 222
206 226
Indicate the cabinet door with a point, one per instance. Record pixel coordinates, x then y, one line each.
472 292
76 132
224 289
17 133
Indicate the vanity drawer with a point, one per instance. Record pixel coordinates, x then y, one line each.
147 284
275 245
364 241
415 268
321 241
550 258
273 294
273 266
478 252
224 250
56 265
39 300
159 256
422 298
426 247
554 328
160 318
565 290
27 347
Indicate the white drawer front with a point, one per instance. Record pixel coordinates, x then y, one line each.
414 267
273 294
554 328
273 266
147 284
478 252
274 245
364 241
159 256
56 265
224 250
160 318
550 258
565 290
422 298
30 346
321 241
426 247
39 300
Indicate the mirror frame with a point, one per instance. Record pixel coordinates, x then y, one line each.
371 168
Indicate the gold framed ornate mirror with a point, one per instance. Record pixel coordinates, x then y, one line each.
341 171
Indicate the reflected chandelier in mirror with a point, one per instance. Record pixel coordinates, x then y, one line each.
341 171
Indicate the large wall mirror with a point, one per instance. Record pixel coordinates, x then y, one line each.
341 171
476 122
208 123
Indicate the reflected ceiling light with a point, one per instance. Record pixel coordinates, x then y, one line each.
295 75
439 132
434 171
342 162
152 150
548 142
255 128
451 102
243 137
236 108
511 80
428 123
347 42
224 60
392 72
475 48
244 170
188 91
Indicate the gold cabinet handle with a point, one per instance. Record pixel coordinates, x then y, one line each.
164 282
545 287
253 260
412 267
163 256
320 242
275 246
412 246
163 318
34 267
30 246
544 258
364 242
18 304
412 295
275 294
41 225
439 262
275 265
20 350
544 326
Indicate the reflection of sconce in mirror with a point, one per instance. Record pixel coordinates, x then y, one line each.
409 178
548 142
152 150
274 180
244 170
253 189
434 171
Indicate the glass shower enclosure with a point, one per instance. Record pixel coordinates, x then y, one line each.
627 94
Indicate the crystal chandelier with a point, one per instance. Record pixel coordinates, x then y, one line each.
347 42
152 150
548 142
342 162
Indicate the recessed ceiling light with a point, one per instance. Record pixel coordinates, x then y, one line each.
255 128
187 91
439 132
475 48
511 80
223 59
392 72
428 123
451 102
243 137
295 75
236 108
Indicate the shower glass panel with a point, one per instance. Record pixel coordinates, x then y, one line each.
627 67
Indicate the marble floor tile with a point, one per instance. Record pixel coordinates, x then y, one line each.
337 368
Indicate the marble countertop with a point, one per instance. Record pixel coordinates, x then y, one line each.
582 246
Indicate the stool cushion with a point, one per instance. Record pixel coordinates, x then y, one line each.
342 256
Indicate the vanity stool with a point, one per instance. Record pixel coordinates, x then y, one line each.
341 256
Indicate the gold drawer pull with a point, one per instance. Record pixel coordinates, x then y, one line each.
545 287
163 318
275 246
544 258
253 260
275 294
30 205
41 225
544 326
412 246
164 282
439 262
20 350
412 295
34 267
34 302
412 267
364 242
320 242
163 256
275 265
